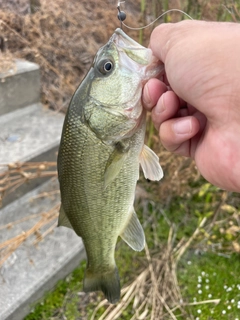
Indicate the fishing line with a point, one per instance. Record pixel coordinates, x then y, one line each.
122 16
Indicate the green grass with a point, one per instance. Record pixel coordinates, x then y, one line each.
211 277
63 300
220 270
201 277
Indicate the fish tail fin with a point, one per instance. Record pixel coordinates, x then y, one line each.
107 282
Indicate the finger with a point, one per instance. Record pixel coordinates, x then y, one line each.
166 37
160 40
165 79
183 112
166 108
176 134
152 91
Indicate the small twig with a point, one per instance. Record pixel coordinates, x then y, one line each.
217 210
183 249
154 281
46 194
11 224
215 301
10 245
44 234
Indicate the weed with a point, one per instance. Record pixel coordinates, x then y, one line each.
211 285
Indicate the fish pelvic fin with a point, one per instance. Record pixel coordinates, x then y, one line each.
107 282
150 164
133 233
63 219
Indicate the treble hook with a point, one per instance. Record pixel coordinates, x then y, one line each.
121 14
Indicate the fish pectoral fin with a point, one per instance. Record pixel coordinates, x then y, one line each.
150 164
113 168
63 219
115 163
133 233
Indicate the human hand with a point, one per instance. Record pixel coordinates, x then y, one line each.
200 116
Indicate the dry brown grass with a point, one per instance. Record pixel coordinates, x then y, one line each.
62 37
44 218
155 293
13 175
7 65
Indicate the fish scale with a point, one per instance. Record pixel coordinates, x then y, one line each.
101 147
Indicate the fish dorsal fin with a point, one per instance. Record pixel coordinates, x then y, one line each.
133 233
150 164
63 219
115 163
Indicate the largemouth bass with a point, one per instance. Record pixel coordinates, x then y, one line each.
101 147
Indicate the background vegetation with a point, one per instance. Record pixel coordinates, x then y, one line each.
191 267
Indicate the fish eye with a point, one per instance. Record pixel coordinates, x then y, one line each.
105 66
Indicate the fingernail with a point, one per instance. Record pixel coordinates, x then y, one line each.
160 107
146 99
183 126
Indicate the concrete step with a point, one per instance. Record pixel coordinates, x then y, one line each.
31 133
31 270
19 86
28 132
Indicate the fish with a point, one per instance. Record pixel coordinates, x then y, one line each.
101 148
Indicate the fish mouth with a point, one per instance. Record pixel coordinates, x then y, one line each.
124 41
150 65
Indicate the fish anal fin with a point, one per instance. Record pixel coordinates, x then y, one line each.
107 282
150 164
63 219
133 233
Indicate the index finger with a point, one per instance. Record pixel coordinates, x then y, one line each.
165 36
